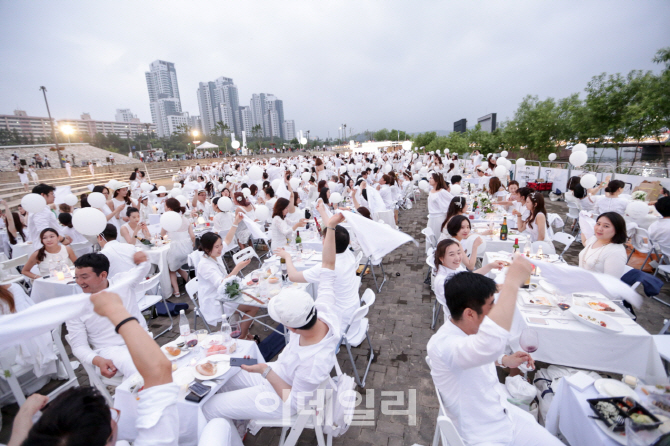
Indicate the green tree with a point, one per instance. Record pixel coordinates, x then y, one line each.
257 132
424 139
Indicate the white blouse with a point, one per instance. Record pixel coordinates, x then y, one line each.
614 204
535 230
608 259
281 230
438 202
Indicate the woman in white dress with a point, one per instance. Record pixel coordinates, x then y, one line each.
130 230
439 200
243 233
23 177
458 206
280 229
112 216
605 252
13 224
50 253
68 168
212 274
91 168
181 245
120 199
536 224
611 202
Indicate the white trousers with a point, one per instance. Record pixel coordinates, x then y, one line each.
121 358
246 396
219 432
526 431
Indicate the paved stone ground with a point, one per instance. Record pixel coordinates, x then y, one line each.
399 331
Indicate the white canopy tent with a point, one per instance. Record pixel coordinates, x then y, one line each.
207 146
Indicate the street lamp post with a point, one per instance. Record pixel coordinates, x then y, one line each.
307 139
194 133
128 139
344 131
53 130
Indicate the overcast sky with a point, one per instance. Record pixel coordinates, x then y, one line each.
413 65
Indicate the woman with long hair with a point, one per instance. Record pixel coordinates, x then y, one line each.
495 188
135 226
112 216
605 252
23 177
181 245
536 224
13 224
439 200
459 229
457 206
324 195
120 199
281 230
243 233
50 252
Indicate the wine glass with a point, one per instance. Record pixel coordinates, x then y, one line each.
529 341
235 329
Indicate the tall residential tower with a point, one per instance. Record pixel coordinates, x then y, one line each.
164 96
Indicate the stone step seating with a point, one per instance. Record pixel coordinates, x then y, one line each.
13 192
82 153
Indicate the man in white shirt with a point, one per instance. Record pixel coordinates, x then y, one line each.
81 413
120 255
306 361
463 355
45 218
200 205
274 171
347 299
659 231
109 352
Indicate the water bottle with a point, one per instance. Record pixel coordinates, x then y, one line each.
225 330
184 327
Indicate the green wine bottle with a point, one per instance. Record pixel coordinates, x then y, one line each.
298 241
503 230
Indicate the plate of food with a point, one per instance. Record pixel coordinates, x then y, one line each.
172 351
595 320
611 414
212 367
536 300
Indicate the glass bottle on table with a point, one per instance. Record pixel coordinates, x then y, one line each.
298 241
503 230
516 245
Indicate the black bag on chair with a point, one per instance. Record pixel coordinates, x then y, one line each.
273 344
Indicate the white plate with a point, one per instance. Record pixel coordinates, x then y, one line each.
221 368
173 344
612 325
614 388
183 376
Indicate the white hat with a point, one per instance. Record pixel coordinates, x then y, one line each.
200 189
144 197
292 308
273 160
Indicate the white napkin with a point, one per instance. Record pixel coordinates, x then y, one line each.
376 239
254 228
580 381
375 200
282 191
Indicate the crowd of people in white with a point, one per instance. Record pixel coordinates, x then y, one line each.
234 195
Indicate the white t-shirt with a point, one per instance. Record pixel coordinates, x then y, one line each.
443 275
659 232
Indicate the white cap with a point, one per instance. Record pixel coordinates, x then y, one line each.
273 160
293 308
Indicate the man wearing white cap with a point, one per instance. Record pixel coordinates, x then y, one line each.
274 171
306 361
200 205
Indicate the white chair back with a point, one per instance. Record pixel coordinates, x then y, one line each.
245 254
640 240
555 220
431 240
146 286
194 259
564 238
547 247
192 288
573 209
387 217
14 263
448 432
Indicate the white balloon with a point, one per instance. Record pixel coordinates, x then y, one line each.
146 187
221 187
521 162
388 167
455 189
637 209
275 184
247 192
89 221
224 204
182 200
423 171
588 181
291 168
579 148
578 158
295 183
235 144
501 172
71 199
303 141
446 150
418 164
170 221
33 203
255 173
423 184
306 176
96 200
501 161
371 166
262 213
335 197
552 156
504 153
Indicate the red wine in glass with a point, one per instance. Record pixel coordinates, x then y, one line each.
255 280
192 342
235 334
529 340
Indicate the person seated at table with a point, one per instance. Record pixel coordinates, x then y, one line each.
146 208
585 196
50 253
457 206
81 414
181 245
222 220
129 231
459 229
67 229
200 206
463 355
536 224
496 189
605 252
109 352
120 255
280 229
611 202
307 359
212 274
456 179
14 225
347 299
448 262
659 231
43 219
270 198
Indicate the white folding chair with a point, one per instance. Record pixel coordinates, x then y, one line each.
444 428
356 332
246 254
573 214
192 291
387 217
81 248
194 259
100 382
13 371
145 300
431 239
564 238
14 263
586 224
641 243
371 264
547 247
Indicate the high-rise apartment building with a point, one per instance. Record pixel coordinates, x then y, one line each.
246 121
268 111
219 102
163 95
289 130
195 123
125 115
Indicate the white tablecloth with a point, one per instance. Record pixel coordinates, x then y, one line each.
45 289
158 256
191 419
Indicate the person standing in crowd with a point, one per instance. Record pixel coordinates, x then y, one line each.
23 177
45 218
181 245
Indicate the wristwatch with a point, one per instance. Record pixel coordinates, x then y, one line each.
265 373
500 361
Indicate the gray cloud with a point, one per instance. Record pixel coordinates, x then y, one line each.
413 65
